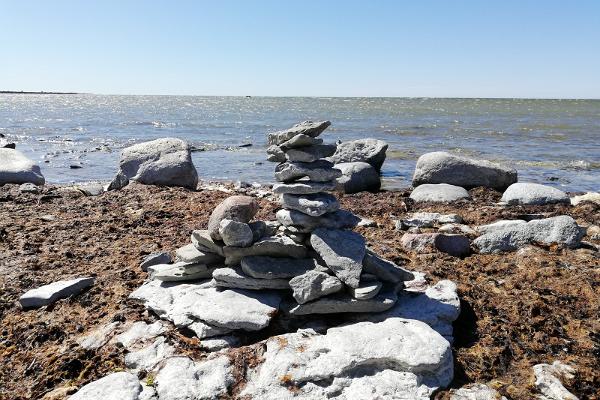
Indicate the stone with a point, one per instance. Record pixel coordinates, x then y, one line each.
457 228
308 128
439 193
202 240
300 140
350 362
548 380
367 223
203 330
429 219
312 285
562 230
161 162
119 385
357 177
190 254
261 267
592 197
259 230
310 153
220 343
155 259
317 171
180 271
275 154
340 219
274 246
139 331
454 245
368 287
183 379
443 167
15 167
98 337
314 205
146 358
303 187
476 391
342 251
233 233
371 151
29 188
385 270
52 292
345 303
235 278
235 208
533 194
500 225
419 242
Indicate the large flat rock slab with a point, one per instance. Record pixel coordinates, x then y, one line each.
303 187
533 194
237 279
314 205
277 268
345 303
275 246
52 292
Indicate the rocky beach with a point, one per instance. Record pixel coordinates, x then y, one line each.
159 285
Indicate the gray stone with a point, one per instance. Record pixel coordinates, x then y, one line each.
259 230
358 177
119 385
235 208
368 287
140 331
300 140
342 251
500 225
29 188
317 171
533 194
202 241
155 259
183 379
455 245
261 267
303 187
203 330
371 151
476 391
275 154
91 189
429 219
15 167
439 193
190 254
345 303
98 337
385 270
310 153
308 128
274 246
314 205
442 167
392 359
233 233
180 271
314 284
457 228
145 359
52 292
561 230
162 162
548 380
235 278
340 219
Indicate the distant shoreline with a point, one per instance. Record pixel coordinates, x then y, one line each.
42 92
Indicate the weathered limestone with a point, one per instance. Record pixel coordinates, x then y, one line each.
300 140
98 337
119 385
146 358
429 219
237 279
52 292
533 194
368 287
233 233
317 171
345 303
310 153
439 193
155 259
385 270
455 245
592 197
443 167
140 331
275 154
313 205
340 219
308 128
303 187
548 380
15 167
235 208
202 240
180 271
371 151
477 391
342 251
190 254
261 267
274 246
312 285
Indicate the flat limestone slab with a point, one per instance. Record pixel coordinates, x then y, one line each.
120 385
303 187
344 303
340 219
274 268
235 278
48 294
317 171
306 128
315 204
275 246
190 254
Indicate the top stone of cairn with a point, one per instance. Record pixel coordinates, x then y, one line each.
308 128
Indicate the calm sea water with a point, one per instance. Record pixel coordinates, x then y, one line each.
556 142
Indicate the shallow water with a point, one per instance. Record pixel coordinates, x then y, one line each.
556 142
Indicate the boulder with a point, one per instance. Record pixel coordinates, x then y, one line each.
304 187
312 285
161 162
52 292
358 177
16 168
317 171
561 230
235 278
119 385
351 362
155 259
275 246
190 254
533 194
439 193
371 151
342 251
236 233
262 267
314 205
235 208
307 128
442 167
344 303
340 219
310 153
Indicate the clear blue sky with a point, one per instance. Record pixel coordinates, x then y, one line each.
448 48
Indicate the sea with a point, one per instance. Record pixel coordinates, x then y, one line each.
78 137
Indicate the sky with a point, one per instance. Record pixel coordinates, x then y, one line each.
426 48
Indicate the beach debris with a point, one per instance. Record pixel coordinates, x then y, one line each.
15 167
443 167
439 193
48 294
533 194
357 177
371 151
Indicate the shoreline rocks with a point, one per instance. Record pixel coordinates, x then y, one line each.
533 194
16 168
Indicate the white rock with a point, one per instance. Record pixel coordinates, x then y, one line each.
120 385
385 270
430 219
533 193
371 151
220 343
52 292
16 168
140 331
204 330
344 303
477 391
548 380
500 225
306 128
314 205
317 171
439 193
145 359
180 271
98 337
